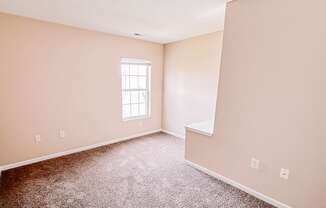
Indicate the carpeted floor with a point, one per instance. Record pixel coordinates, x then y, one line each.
140 173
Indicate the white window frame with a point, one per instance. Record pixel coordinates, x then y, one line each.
128 61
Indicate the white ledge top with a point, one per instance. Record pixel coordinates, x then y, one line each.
205 128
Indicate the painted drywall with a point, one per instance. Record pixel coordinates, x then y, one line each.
271 101
57 77
191 70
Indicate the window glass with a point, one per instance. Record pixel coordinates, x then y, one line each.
135 88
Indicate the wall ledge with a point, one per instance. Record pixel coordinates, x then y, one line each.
205 128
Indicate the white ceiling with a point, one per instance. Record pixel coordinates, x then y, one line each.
161 21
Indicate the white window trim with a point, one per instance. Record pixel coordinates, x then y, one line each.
148 88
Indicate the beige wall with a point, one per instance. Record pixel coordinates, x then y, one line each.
56 77
191 70
271 101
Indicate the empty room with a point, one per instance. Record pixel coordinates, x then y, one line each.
162 104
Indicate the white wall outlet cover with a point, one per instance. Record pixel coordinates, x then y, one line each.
62 133
254 163
37 138
284 173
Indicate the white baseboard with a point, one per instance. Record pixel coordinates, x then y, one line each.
71 151
239 186
174 134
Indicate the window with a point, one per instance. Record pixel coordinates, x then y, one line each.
135 81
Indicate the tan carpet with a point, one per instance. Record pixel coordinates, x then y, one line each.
141 173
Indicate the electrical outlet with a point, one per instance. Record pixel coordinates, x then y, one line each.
254 164
62 134
37 138
285 173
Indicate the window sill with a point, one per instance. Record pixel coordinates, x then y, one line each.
204 128
136 118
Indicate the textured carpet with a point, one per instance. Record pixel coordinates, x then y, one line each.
144 172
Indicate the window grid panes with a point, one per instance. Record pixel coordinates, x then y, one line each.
135 90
